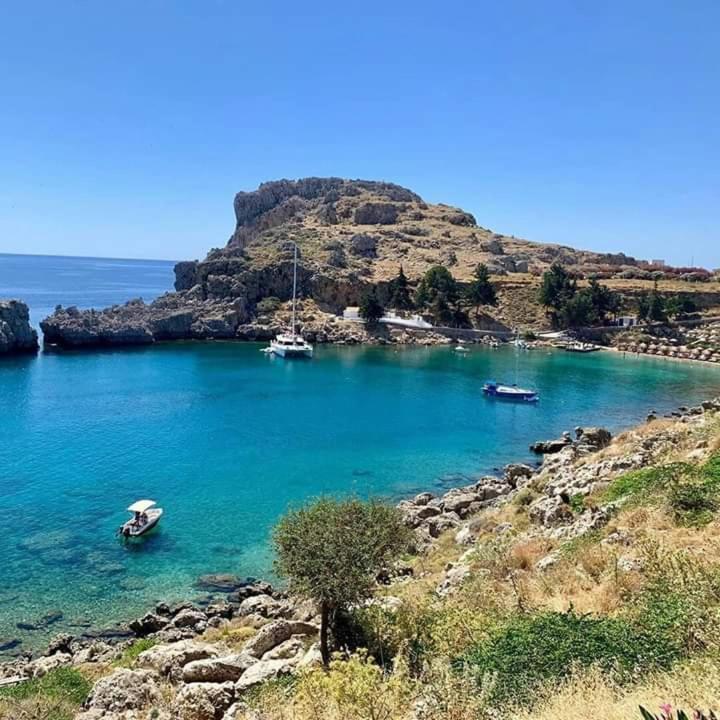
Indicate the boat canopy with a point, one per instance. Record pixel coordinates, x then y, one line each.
141 506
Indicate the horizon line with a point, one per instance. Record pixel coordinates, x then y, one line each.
87 257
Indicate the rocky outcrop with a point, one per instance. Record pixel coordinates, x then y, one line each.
16 333
350 234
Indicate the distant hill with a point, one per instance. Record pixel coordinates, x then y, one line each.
366 229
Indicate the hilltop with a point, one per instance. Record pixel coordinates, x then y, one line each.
352 235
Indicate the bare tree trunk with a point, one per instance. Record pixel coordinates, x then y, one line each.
324 622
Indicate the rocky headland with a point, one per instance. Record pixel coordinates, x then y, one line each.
16 333
351 234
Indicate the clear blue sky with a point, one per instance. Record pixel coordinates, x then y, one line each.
127 127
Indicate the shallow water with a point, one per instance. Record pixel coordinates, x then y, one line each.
225 438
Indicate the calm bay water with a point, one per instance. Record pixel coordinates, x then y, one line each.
225 438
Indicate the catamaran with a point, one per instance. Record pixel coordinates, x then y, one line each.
145 517
291 345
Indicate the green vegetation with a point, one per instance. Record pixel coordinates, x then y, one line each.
481 291
569 307
331 551
691 493
654 307
370 308
268 305
130 654
55 696
530 650
400 293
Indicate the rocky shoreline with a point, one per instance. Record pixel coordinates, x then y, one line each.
188 646
16 334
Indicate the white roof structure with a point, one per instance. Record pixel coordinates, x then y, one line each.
141 506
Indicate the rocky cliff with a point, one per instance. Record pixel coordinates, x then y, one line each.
350 234
16 333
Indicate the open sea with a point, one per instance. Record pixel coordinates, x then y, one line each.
225 438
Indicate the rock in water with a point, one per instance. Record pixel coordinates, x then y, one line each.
16 333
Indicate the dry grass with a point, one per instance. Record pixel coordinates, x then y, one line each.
695 686
235 634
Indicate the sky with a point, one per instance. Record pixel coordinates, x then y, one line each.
126 128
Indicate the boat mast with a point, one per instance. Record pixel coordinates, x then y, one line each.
294 289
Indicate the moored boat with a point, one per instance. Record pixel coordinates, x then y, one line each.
509 392
581 347
291 345
145 517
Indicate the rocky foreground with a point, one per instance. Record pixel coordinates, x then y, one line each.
16 333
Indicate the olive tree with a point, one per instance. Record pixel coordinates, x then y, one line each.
332 550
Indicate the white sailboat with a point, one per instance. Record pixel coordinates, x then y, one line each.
291 345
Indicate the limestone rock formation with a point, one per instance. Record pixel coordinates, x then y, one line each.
16 333
350 234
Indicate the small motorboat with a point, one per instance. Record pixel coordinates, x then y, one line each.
509 392
145 517
460 349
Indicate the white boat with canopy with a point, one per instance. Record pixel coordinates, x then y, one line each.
145 517
291 345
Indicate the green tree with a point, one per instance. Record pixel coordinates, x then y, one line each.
556 289
440 309
332 550
400 293
437 280
578 311
370 308
604 301
655 307
481 291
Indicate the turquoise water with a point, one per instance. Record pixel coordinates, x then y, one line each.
225 438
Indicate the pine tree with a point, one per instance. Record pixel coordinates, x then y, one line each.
481 291
399 292
370 308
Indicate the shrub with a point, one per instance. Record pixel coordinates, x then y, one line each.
531 650
640 485
130 654
693 503
268 305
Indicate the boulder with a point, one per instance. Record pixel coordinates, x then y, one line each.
267 670
218 670
595 437
263 605
285 650
171 657
190 618
148 624
457 500
516 472
16 333
268 637
124 690
60 644
42 666
203 701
